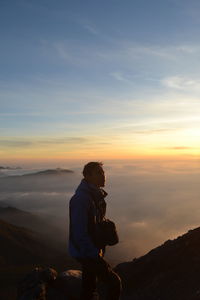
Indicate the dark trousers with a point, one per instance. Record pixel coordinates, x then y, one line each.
93 269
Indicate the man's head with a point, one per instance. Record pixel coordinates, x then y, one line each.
93 173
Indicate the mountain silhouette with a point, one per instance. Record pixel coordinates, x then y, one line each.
42 180
58 171
170 271
21 246
9 168
42 225
21 250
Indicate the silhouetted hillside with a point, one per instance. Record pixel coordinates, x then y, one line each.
171 271
20 251
21 246
21 218
43 226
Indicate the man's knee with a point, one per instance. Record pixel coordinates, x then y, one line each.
107 274
115 281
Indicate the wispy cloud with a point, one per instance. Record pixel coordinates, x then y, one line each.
64 52
119 76
154 51
18 114
191 10
182 83
65 140
156 131
120 51
180 148
148 65
125 51
73 53
90 28
12 143
15 143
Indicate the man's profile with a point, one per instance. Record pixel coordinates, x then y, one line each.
87 207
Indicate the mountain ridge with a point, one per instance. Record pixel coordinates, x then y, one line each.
57 171
22 250
43 226
169 271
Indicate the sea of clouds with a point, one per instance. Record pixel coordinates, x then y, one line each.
150 201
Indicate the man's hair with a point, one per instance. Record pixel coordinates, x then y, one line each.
90 167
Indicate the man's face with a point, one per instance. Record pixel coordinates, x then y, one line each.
97 177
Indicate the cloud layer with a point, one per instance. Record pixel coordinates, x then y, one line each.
150 201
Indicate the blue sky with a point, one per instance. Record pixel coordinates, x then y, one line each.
92 77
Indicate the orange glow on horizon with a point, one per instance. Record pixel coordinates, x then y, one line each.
36 157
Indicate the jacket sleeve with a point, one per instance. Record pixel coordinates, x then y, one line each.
79 208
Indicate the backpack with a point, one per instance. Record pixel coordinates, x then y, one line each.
34 285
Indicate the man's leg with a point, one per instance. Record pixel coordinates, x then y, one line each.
99 268
88 288
110 278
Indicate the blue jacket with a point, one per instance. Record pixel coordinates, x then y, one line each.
83 216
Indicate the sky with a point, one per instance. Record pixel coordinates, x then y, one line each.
99 79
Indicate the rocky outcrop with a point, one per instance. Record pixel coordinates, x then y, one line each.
171 271
67 286
47 284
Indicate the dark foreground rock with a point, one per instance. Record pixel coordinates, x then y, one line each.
67 286
171 271
47 284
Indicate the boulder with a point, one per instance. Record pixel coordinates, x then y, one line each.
67 286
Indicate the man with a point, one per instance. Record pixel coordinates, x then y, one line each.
87 207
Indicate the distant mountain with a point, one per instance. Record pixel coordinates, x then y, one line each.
9 168
46 180
171 271
57 171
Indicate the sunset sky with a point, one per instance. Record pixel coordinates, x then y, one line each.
99 79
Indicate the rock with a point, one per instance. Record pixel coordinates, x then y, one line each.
170 271
67 286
